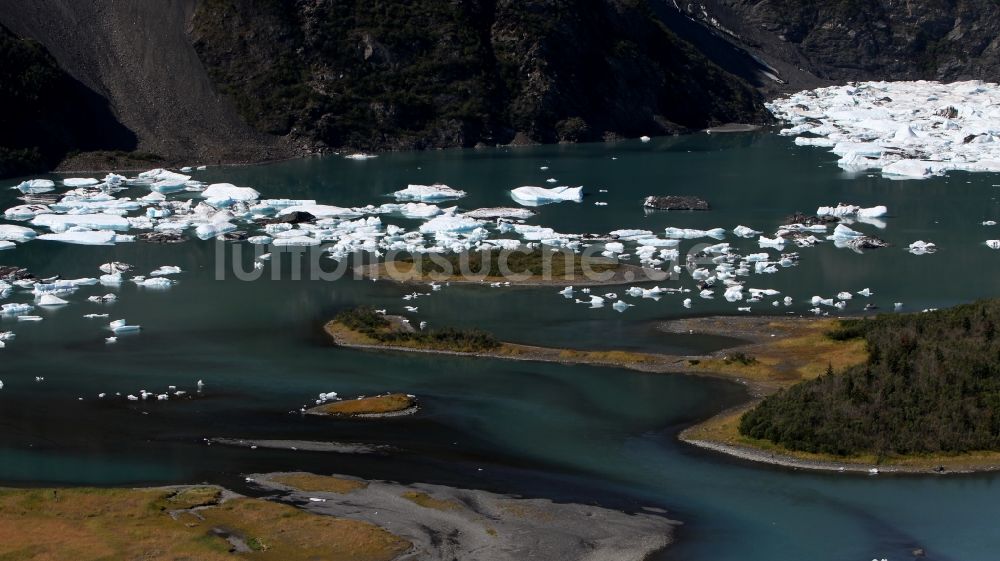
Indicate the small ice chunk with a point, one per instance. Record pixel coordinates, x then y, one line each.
86 237
166 270
428 193
533 196
36 186
79 181
745 232
51 300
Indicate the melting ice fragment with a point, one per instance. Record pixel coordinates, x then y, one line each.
533 196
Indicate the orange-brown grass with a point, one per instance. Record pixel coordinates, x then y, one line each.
427 501
376 405
105 524
802 352
312 483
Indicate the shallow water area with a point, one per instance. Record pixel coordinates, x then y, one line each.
568 432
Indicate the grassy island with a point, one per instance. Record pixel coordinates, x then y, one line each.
367 325
204 523
914 392
376 406
539 266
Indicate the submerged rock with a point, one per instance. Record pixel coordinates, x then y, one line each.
161 237
675 202
294 217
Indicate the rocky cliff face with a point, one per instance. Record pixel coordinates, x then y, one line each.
46 113
840 40
247 80
426 73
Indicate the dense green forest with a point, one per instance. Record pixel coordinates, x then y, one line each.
931 385
386 74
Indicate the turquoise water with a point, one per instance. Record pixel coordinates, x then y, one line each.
567 432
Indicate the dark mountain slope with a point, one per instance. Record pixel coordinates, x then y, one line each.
424 73
137 56
46 113
843 40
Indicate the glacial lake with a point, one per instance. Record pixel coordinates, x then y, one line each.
571 433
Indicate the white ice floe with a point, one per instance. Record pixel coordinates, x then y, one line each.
449 224
360 156
166 270
35 186
533 196
25 212
690 233
6 245
51 300
84 237
428 193
499 212
79 181
14 309
921 247
225 194
745 232
852 211
908 130
322 211
120 326
97 221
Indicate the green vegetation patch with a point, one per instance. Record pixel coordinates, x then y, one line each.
931 385
544 262
367 321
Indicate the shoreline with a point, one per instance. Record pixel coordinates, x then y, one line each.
788 351
478 524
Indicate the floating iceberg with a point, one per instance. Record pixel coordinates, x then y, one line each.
688 233
533 196
36 186
6 245
921 247
51 300
25 212
499 212
166 270
428 193
852 211
79 181
745 232
449 224
63 222
14 309
225 194
927 129
86 237
322 211
120 326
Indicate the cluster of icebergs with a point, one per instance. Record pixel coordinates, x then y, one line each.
52 293
907 130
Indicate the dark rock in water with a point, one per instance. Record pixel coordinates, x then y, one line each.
867 242
810 220
161 237
296 217
10 273
675 202
236 236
